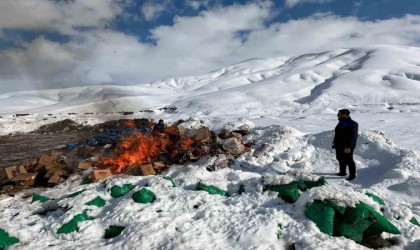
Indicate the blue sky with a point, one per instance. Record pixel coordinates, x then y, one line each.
65 43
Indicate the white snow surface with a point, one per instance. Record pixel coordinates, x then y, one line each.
288 103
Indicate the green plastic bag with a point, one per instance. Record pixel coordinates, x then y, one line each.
305 185
288 192
414 221
380 224
71 226
211 189
98 201
144 196
357 214
170 179
38 197
351 231
117 191
113 231
322 213
376 198
75 193
337 208
6 240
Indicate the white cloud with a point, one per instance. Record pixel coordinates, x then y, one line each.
60 16
152 10
196 4
192 45
292 3
326 32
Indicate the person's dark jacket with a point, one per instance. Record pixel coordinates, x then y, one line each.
159 128
346 134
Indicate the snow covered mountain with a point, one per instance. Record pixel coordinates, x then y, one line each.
360 76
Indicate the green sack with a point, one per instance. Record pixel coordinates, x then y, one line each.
75 193
414 221
288 192
6 240
144 196
71 226
170 179
98 201
357 214
351 231
381 224
376 198
305 185
38 197
323 215
211 189
117 191
113 231
337 208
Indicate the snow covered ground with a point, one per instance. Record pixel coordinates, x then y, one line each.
291 104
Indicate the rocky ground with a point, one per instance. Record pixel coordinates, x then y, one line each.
24 148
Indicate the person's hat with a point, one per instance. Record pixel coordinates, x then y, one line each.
344 111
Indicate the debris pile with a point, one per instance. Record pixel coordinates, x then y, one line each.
124 147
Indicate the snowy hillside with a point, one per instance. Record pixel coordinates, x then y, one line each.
288 103
303 91
362 76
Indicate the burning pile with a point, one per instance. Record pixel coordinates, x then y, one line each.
140 148
127 147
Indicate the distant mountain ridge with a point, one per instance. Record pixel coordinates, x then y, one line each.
369 75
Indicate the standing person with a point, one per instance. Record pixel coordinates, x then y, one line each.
345 138
159 128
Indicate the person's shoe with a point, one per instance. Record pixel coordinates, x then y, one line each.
351 178
340 174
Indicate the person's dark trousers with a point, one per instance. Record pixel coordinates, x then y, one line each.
345 160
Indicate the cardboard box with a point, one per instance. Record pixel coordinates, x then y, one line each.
57 154
147 169
27 179
56 178
83 165
100 174
54 171
159 165
134 170
46 160
6 174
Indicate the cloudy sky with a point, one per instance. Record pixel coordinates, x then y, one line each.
64 43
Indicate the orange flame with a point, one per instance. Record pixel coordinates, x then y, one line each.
139 148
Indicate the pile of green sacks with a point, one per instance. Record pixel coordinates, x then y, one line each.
355 223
